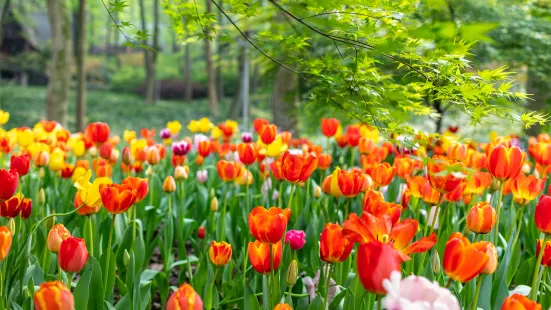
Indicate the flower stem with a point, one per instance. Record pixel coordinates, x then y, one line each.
291 195
327 284
535 279
379 302
498 211
478 287
272 286
91 234
223 228
108 260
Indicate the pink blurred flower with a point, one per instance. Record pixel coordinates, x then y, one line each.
247 137
296 239
181 148
165 133
202 176
417 293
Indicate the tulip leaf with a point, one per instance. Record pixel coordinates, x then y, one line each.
35 273
336 302
110 283
16 306
316 304
125 244
83 289
499 289
191 259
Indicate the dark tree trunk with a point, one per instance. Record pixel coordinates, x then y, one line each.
188 91
211 72
149 94
3 18
285 100
81 72
153 63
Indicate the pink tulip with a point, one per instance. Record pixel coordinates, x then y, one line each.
296 239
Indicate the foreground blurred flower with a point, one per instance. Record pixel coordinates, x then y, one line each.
184 298
90 192
519 302
57 234
117 198
220 253
329 126
505 162
526 188
5 242
334 247
72 255
416 292
268 226
9 180
259 255
375 262
53 296
296 239
542 215
481 218
462 260
298 168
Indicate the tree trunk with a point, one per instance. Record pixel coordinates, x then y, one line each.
541 97
285 100
59 71
81 72
153 64
188 91
211 72
92 29
3 18
147 60
221 51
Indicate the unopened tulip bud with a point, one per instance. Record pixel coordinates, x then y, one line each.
41 197
149 171
127 158
11 225
201 232
115 154
93 151
42 159
169 185
212 193
126 258
436 262
41 172
57 234
526 168
317 191
292 274
181 173
214 204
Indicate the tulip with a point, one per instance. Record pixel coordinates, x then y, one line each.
105 150
185 298
542 214
350 183
283 306
26 208
214 204
404 166
228 171
462 260
477 183
181 148
201 232
141 185
117 198
165 134
317 192
4 117
378 208
202 176
42 159
375 263
292 274
127 157
152 155
247 153
519 302
220 253
57 234
329 126
448 182
546 258
296 239
366 145
169 184
382 174
9 180
505 162
12 207
247 137
526 188
20 164
353 135
298 168
342 141
458 151
276 169
53 296
85 210
268 226
73 255
334 247
259 255
481 218
181 172
268 133
90 192
5 242
324 161
98 132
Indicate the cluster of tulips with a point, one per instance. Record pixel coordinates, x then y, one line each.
167 221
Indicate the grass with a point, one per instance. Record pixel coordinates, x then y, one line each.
27 105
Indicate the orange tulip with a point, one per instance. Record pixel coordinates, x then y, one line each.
283 306
350 183
324 161
48 126
269 226
227 170
184 298
169 184
5 242
286 137
366 145
141 185
298 168
42 159
375 262
329 126
117 198
247 153
382 174
476 159
505 162
268 133
404 166
458 151
542 215
368 228
259 255
220 253
57 234
53 296
415 185
276 169
429 194
463 261
526 188
334 248
542 153
444 183
258 124
519 302
477 183
342 141
98 132
456 194
488 248
481 218
86 210
203 148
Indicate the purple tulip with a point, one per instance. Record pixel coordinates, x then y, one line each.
165 133
296 239
180 148
247 137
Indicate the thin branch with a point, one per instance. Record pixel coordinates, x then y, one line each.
115 22
344 13
199 19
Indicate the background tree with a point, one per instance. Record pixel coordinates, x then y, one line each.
81 69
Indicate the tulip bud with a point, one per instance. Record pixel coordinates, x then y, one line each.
73 254
169 185
127 158
93 151
317 191
42 159
11 225
149 171
212 193
435 262
292 274
201 232
199 160
526 168
57 234
181 173
115 154
491 265
126 258
214 204
50 222
41 172
41 197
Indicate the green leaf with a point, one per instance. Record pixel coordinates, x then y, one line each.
317 304
83 288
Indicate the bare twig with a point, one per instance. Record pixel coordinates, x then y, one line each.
117 25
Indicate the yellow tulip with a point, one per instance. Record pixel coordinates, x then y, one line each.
79 149
215 133
35 148
339 131
89 192
369 132
193 126
78 173
137 145
129 135
233 124
57 159
276 148
4 117
174 127
25 137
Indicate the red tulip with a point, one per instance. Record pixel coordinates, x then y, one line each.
329 126
20 164
72 255
334 248
98 132
297 168
542 215
269 226
259 255
376 261
9 180
505 162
